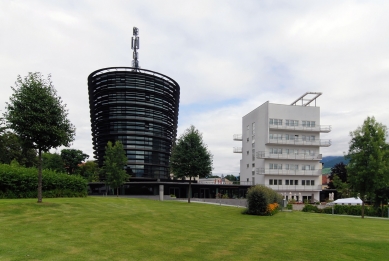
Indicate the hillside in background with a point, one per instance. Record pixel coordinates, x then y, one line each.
331 161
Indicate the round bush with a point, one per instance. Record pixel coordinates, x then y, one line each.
259 198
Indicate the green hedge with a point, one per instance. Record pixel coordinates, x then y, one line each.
356 210
258 199
20 182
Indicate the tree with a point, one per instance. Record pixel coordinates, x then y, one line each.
190 157
338 179
12 148
53 161
90 171
231 177
72 158
369 159
36 114
114 161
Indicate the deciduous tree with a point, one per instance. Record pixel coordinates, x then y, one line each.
90 171
38 116
13 148
369 159
190 157
72 158
53 161
114 161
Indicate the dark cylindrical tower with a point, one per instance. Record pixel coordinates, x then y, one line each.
139 108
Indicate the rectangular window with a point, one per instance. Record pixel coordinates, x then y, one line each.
270 182
248 165
253 172
286 166
312 183
287 122
291 182
280 182
313 124
303 182
287 182
275 182
253 154
253 165
308 182
253 128
271 121
248 152
296 123
296 182
270 165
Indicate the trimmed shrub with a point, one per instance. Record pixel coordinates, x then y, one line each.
356 210
311 208
261 199
20 182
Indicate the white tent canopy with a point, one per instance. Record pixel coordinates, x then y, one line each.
347 201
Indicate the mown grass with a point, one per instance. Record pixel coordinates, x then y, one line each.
98 228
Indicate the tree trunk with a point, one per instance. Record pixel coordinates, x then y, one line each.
39 175
190 189
363 209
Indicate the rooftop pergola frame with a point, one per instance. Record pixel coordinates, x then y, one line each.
305 101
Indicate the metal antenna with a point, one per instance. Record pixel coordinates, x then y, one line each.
135 47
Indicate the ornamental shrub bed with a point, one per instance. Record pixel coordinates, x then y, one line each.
20 182
262 201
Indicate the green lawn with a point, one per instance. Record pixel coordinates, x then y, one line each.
97 228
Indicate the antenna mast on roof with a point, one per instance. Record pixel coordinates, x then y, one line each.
135 47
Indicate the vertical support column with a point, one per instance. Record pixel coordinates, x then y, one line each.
161 188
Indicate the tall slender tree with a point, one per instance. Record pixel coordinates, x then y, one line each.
38 116
190 157
114 161
369 159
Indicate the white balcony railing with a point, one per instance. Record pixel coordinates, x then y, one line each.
266 155
237 137
319 128
296 172
237 149
295 187
321 143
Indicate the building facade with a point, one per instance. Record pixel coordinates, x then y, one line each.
281 148
139 108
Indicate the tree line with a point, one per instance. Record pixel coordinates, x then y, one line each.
36 121
367 173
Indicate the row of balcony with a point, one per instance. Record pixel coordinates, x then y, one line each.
298 156
294 188
318 128
296 172
299 141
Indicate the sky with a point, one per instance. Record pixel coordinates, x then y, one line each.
228 57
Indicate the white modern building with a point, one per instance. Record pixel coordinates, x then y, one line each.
281 147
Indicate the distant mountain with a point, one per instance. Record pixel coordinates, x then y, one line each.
330 161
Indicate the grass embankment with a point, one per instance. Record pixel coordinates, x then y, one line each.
97 228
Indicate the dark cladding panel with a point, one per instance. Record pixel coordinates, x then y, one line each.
139 108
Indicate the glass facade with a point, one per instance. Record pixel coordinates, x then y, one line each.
140 109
